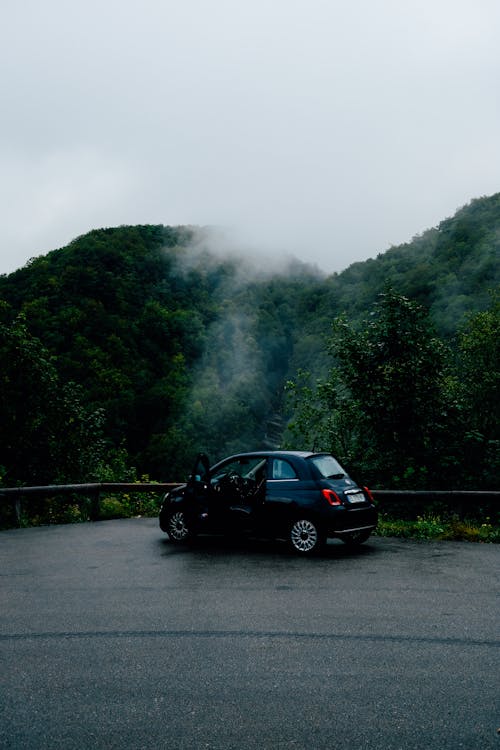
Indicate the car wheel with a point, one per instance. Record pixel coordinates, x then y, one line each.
305 537
355 538
177 527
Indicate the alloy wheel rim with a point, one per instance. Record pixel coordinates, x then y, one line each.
177 527
304 535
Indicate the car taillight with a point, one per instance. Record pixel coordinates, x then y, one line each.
368 492
332 497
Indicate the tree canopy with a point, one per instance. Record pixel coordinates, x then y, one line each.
388 407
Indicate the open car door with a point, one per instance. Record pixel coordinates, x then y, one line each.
238 492
229 498
197 492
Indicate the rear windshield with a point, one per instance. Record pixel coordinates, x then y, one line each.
328 466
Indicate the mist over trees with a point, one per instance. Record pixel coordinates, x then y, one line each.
133 348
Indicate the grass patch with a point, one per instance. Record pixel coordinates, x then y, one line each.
435 527
130 505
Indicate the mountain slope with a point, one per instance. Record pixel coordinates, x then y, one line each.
449 269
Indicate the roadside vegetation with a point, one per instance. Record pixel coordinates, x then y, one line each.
437 528
430 525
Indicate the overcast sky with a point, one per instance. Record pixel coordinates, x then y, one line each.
326 129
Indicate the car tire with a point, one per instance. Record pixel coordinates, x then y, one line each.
355 538
177 527
305 536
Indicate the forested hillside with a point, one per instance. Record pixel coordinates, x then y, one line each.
449 269
139 346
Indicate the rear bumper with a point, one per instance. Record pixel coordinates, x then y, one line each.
355 529
354 520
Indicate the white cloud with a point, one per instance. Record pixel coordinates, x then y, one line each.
325 128
58 195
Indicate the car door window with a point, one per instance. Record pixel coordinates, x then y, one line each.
282 470
240 478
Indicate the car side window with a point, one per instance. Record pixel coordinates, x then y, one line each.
282 470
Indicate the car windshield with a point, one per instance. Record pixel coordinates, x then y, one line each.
328 466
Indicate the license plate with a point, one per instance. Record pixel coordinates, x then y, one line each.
355 497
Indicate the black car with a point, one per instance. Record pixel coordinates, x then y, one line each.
298 496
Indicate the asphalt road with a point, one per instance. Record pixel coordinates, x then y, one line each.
112 637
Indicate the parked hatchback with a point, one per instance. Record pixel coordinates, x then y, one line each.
303 498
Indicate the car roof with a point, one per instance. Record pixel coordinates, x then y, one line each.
276 453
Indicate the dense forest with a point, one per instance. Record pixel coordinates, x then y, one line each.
126 352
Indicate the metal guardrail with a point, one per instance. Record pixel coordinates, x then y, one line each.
49 489
450 495
462 500
409 504
92 490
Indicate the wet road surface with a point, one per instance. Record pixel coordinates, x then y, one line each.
112 637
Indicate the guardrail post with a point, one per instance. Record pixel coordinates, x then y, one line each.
18 510
95 506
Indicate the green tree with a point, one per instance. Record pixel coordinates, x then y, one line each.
46 433
386 407
479 394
